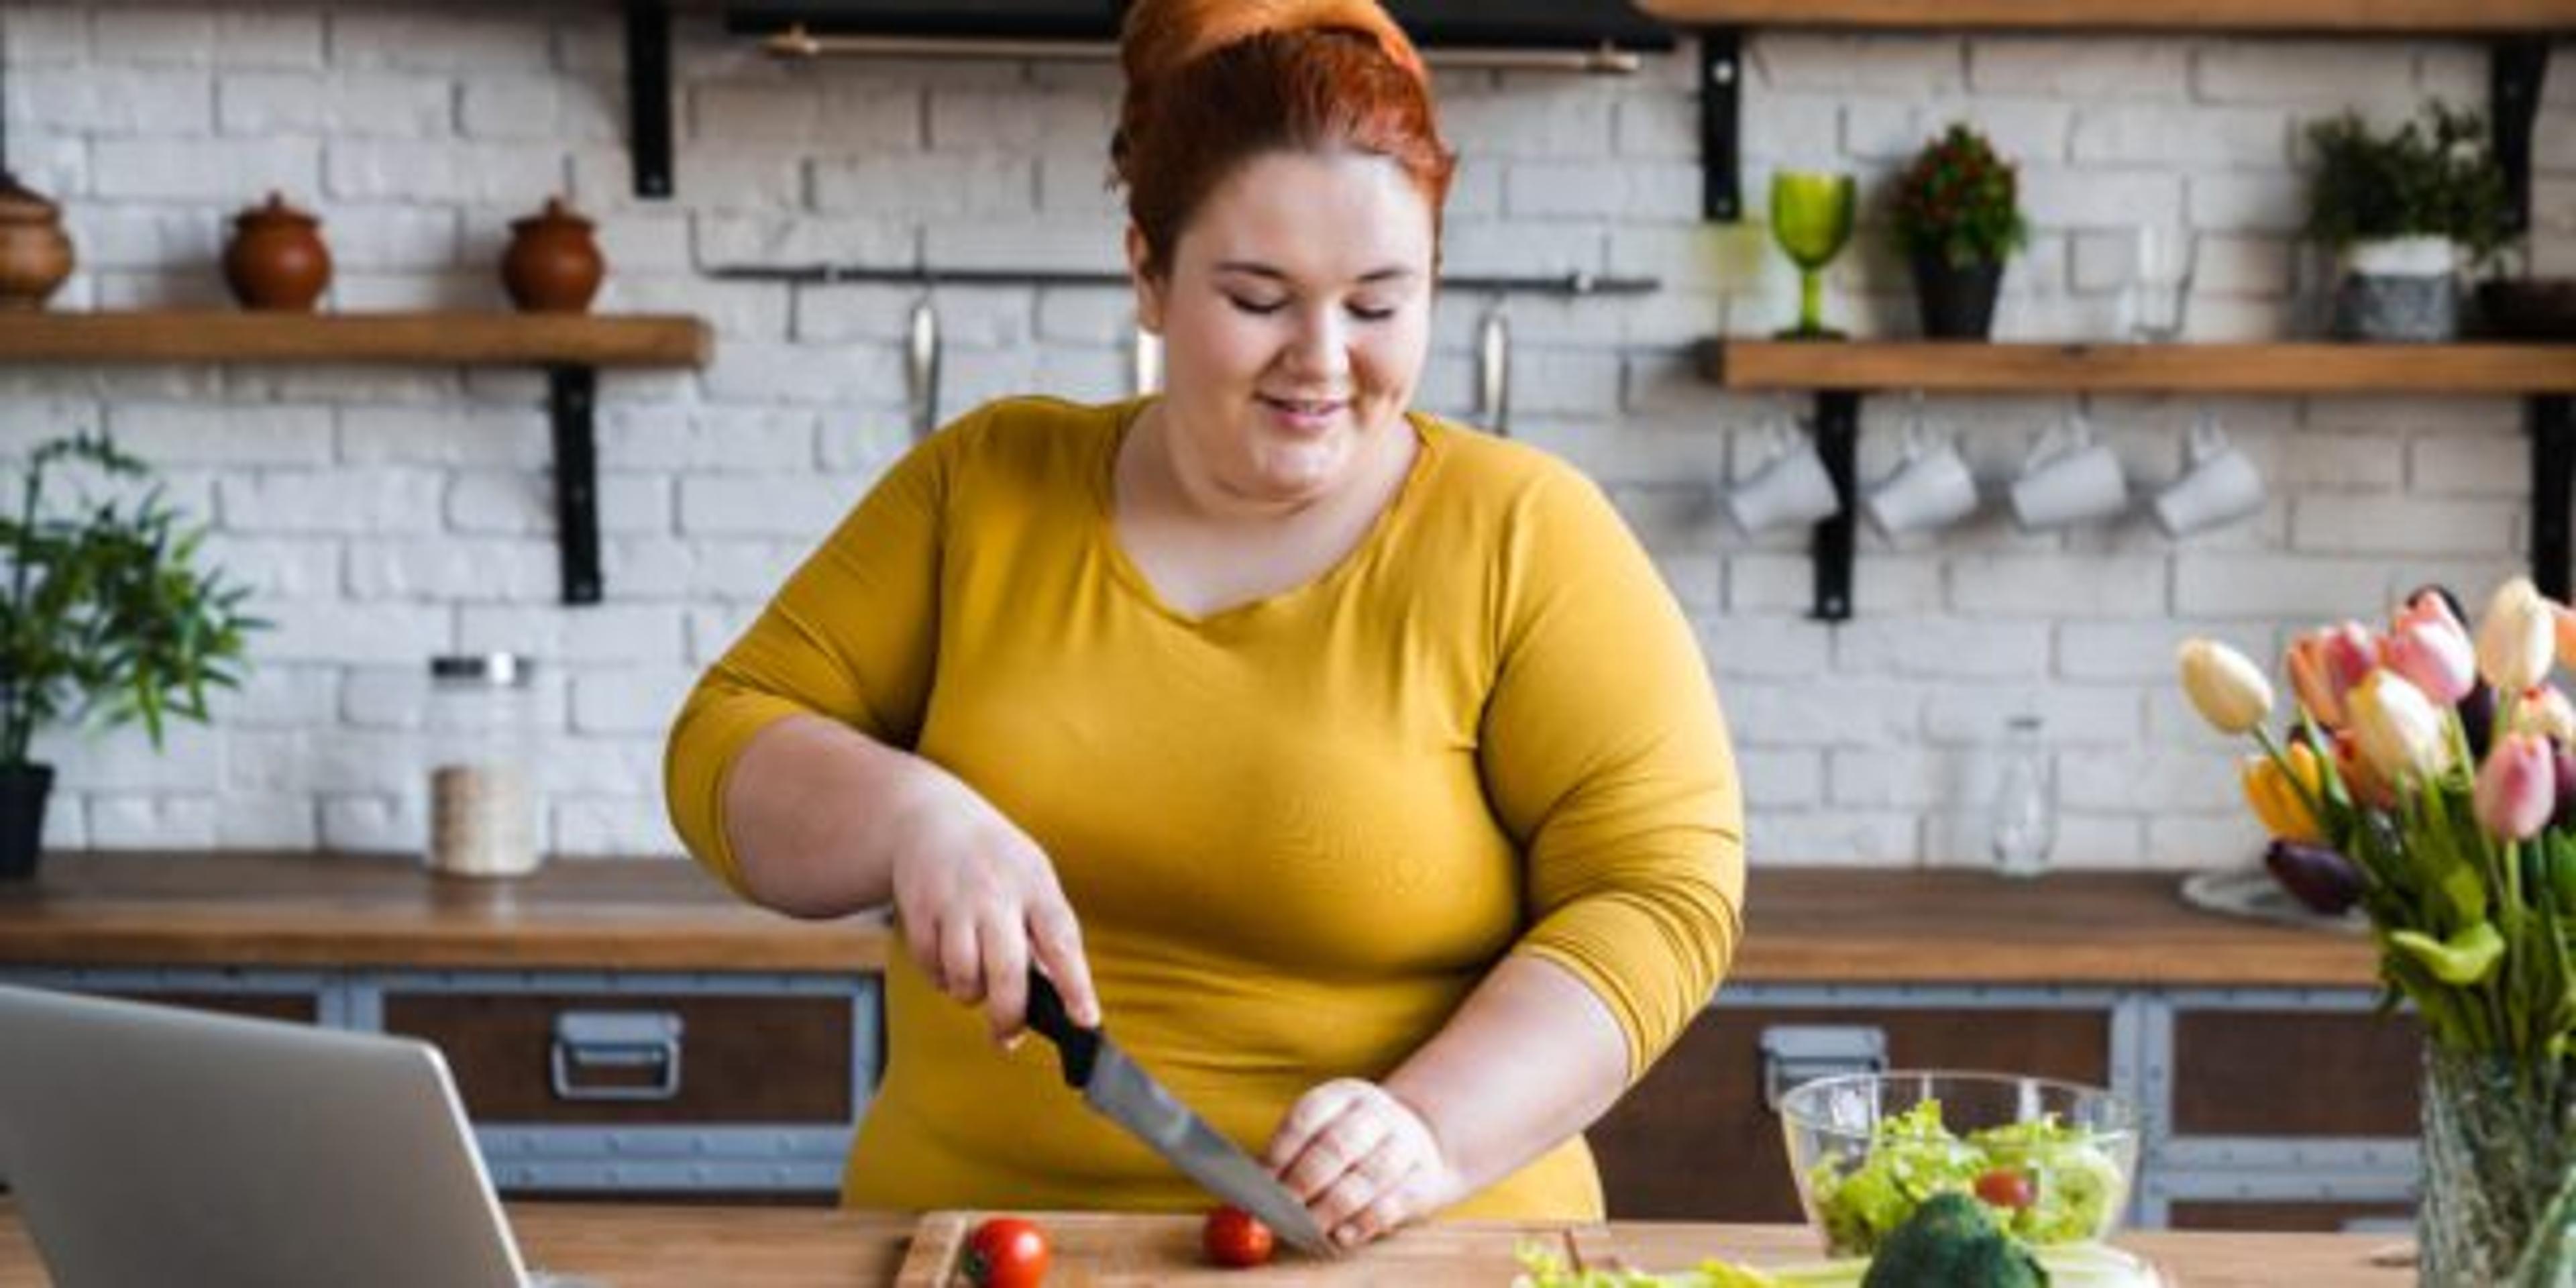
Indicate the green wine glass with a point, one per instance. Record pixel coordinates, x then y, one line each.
1811 218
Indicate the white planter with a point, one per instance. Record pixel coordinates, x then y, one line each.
2403 289
2403 257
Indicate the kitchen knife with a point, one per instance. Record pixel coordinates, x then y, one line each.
1117 1087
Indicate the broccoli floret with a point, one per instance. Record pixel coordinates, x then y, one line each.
1951 1242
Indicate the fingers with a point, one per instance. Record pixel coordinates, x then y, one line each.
1359 1159
1055 938
961 964
1006 978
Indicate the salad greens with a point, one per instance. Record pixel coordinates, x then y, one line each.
2069 1265
2045 1181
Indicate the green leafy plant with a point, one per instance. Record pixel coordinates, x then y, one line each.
2435 176
106 612
1960 201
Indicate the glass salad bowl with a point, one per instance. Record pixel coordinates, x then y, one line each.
2054 1162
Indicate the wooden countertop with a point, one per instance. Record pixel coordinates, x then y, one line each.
686 1247
1805 925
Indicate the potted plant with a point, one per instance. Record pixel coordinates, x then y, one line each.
105 614
2403 211
1957 216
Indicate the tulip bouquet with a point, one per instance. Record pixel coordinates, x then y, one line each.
2429 775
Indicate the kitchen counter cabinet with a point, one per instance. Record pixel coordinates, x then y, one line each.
2218 1028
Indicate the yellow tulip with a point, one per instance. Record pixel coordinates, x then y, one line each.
2228 690
2275 794
2518 639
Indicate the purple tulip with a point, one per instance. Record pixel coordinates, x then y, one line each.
2321 879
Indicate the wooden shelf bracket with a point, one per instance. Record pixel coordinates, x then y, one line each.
2552 418
1721 123
648 95
572 399
1838 442
2516 69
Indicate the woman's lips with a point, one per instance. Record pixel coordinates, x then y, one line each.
1308 415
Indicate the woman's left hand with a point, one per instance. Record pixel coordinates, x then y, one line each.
1362 1161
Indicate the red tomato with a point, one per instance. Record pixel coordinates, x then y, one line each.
1234 1237
1006 1252
2005 1188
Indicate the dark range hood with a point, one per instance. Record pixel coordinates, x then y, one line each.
1435 24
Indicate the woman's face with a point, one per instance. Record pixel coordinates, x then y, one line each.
1294 321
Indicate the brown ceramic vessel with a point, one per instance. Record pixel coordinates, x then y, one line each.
553 264
35 254
277 261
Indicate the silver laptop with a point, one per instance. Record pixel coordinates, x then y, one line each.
147 1146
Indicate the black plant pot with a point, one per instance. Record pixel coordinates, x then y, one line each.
23 791
1957 303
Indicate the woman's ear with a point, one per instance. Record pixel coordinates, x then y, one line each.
1149 289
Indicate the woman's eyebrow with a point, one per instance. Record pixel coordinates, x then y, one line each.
1254 268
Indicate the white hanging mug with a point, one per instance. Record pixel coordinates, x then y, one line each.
1931 486
2219 484
2067 479
1790 486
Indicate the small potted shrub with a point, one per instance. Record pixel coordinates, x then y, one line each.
2404 212
1957 216
103 613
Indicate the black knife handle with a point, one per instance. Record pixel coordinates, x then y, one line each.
1075 1046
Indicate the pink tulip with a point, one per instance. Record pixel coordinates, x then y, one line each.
2326 664
2432 650
2517 787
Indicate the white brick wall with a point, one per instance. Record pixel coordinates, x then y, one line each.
383 515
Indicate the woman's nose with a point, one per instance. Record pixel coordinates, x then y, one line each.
1321 346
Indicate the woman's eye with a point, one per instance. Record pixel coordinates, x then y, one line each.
1367 314
1257 307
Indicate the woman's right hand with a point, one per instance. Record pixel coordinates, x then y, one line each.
979 902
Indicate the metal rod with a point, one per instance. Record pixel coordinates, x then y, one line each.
840 275
648 95
797 43
572 394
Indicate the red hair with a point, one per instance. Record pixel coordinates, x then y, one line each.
1213 83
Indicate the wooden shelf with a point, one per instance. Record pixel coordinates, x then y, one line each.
445 339
1939 366
570 347
2331 17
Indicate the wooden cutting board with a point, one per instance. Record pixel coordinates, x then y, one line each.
1110 1250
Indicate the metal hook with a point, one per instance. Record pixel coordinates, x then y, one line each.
921 368
1494 369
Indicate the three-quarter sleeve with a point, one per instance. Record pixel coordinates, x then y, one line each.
852 636
1607 759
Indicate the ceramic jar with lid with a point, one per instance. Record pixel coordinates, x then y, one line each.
553 264
277 260
35 255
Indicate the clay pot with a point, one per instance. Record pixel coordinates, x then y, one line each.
553 264
35 255
277 261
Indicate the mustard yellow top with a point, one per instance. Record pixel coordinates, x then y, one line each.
1296 832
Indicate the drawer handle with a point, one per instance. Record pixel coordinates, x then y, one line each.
1796 1053
616 1040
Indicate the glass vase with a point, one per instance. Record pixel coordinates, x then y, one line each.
2496 1157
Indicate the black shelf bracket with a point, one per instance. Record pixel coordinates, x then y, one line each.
1837 441
2552 418
1721 122
2514 76
648 94
572 395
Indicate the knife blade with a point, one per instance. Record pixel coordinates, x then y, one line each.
1119 1089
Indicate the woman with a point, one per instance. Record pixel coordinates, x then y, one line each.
1355 766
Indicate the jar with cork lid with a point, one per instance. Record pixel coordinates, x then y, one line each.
481 726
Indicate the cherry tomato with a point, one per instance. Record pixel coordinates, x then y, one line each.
1234 1237
2005 1188
1006 1252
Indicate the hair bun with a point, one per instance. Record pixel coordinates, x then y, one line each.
1162 36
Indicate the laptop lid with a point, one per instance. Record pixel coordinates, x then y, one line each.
149 1146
